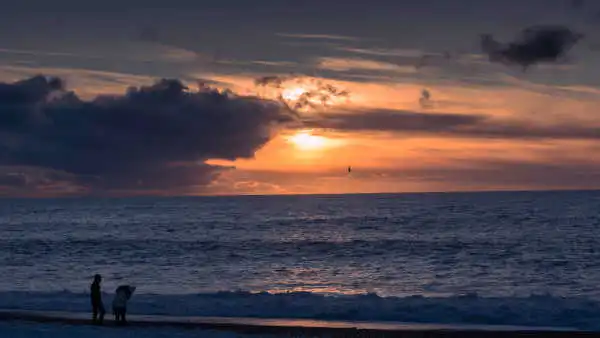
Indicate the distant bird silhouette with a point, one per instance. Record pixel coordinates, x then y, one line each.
425 99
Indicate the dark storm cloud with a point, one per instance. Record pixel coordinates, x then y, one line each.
153 137
450 125
535 45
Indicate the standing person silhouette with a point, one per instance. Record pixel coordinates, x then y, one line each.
96 298
122 295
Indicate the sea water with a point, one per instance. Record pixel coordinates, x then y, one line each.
526 258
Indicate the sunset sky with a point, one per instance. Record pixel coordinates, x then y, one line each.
425 110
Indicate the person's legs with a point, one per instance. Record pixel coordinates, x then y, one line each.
101 312
119 313
94 312
97 312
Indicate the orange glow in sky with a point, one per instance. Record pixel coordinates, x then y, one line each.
307 142
406 112
293 93
316 160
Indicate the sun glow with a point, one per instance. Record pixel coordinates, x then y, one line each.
304 140
293 93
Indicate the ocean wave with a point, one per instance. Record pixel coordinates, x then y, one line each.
535 310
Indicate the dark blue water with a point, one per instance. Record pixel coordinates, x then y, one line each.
508 250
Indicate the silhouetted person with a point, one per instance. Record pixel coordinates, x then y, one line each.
96 298
122 295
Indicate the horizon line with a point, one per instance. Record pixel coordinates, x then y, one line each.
455 192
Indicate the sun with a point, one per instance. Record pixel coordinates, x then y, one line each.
293 93
306 141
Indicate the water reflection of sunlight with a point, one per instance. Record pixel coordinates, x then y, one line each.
320 290
310 280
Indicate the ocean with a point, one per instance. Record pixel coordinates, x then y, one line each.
505 258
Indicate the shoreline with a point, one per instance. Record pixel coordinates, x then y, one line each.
296 327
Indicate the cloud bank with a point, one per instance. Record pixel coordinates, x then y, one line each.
150 138
157 138
409 123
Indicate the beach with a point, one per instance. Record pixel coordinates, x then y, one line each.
57 324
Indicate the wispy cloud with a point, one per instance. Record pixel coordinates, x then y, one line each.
486 174
134 51
464 174
45 53
175 54
88 83
409 53
275 63
452 125
318 36
266 63
348 64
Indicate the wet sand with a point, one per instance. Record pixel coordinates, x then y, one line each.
297 327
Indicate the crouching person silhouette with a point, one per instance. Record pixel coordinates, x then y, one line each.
119 304
96 300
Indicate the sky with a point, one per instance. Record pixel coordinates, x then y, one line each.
185 97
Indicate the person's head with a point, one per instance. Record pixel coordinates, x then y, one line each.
97 278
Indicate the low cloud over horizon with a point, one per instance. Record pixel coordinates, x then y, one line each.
475 126
153 138
165 138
